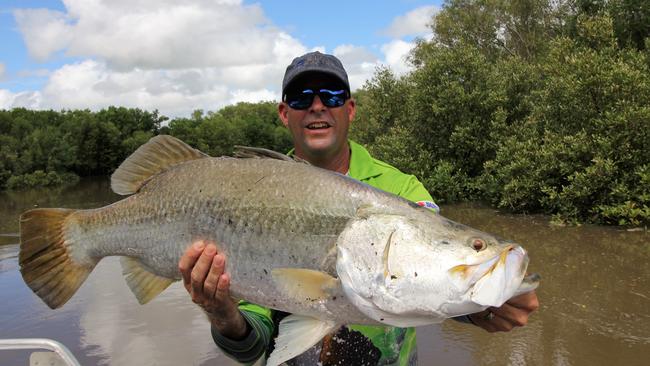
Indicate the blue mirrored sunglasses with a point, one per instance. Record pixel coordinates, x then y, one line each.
304 99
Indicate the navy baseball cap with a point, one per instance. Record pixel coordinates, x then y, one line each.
315 62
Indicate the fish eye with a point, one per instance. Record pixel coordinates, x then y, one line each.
478 244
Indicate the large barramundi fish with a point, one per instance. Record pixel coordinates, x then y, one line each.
304 240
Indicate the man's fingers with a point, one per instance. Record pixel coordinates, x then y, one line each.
501 319
201 269
527 301
189 258
211 281
514 315
499 324
223 287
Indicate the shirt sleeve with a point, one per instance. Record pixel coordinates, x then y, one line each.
249 349
413 190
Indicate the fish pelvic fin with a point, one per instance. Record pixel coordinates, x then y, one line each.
144 284
305 284
157 155
296 334
45 259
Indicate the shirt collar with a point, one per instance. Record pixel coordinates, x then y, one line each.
362 165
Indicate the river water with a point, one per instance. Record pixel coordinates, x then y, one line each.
594 294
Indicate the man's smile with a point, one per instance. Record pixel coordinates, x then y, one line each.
317 125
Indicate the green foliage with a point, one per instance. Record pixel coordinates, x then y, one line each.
379 105
630 19
447 182
499 28
534 114
246 124
532 105
40 178
586 134
43 148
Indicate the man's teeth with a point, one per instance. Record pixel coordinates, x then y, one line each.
317 125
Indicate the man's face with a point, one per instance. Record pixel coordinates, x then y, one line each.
318 131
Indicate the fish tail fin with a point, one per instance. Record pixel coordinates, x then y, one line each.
45 259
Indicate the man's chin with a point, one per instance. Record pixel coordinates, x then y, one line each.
319 146
319 143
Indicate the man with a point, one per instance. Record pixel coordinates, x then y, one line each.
318 109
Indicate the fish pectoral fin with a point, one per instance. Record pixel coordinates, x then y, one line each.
157 155
528 284
296 334
144 284
305 284
366 210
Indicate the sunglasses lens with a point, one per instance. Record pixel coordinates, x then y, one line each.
332 98
304 99
301 100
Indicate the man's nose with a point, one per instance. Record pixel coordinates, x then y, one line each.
317 105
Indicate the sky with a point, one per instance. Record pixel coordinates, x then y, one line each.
180 56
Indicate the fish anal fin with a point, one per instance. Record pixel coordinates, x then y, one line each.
305 284
144 284
296 334
157 155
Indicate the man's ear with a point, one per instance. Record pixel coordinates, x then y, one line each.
283 111
352 109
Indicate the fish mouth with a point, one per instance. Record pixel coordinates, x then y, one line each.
494 281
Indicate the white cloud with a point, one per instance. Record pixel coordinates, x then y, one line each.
414 23
29 99
44 31
165 55
395 53
359 62
2 70
6 99
177 56
252 96
350 54
154 34
92 84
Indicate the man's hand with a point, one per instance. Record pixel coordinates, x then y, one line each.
514 313
204 277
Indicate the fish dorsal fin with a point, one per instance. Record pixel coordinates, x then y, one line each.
305 284
296 334
155 156
247 152
144 284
